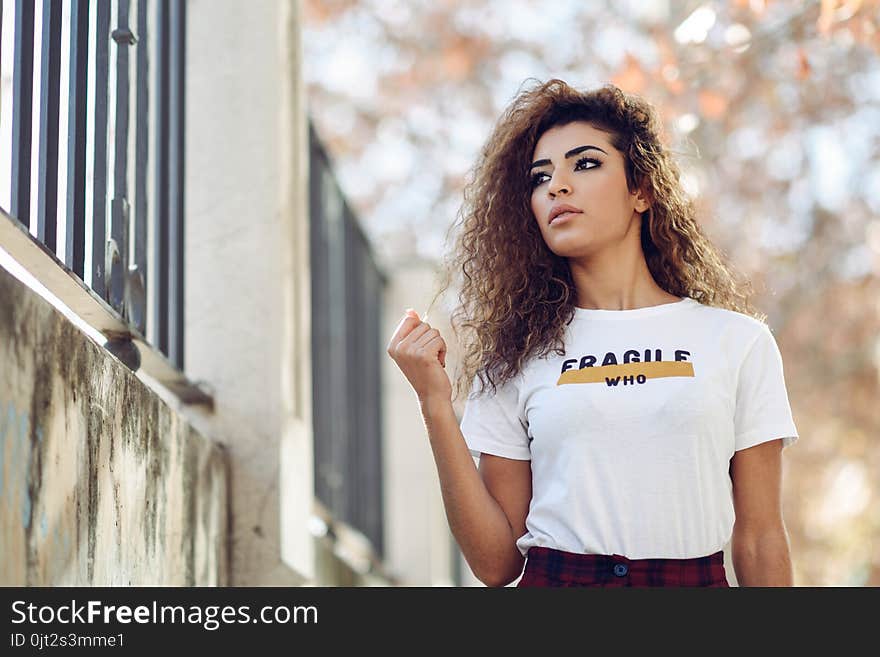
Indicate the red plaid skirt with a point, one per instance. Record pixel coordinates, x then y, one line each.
548 567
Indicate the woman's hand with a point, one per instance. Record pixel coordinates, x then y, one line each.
420 353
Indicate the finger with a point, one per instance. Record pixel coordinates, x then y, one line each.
414 336
429 345
429 335
407 324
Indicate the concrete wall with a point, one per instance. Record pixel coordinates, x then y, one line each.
100 482
247 274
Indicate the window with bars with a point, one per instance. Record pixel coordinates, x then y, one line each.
347 290
92 143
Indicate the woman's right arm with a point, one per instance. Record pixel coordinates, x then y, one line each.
486 509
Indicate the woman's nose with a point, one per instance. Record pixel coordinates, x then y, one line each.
559 187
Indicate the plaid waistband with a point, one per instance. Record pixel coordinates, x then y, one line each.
549 565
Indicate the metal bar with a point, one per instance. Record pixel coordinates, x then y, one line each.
50 83
160 244
375 513
349 343
52 274
76 138
327 358
176 113
336 363
372 302
22 110
100 191
138 276
321 348
121 38
376 406
353 335
367 438
118 264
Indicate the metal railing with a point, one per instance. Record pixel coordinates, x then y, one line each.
347 291
113 217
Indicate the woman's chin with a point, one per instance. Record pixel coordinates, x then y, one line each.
573 248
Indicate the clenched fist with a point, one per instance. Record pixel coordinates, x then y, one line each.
420 353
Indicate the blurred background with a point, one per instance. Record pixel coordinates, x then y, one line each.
213 215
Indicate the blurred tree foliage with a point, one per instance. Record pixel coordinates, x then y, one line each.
774 110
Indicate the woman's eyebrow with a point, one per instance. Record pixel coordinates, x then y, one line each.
571 153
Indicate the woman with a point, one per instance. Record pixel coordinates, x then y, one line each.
627 405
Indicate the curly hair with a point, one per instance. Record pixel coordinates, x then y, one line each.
515 295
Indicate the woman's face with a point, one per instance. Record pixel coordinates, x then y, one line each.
575 165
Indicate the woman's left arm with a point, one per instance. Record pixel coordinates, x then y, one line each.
759 546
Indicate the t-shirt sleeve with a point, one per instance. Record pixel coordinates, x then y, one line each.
763 412
493 424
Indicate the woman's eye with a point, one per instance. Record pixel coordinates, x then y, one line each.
581 163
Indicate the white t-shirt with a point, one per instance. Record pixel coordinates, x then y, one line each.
631 432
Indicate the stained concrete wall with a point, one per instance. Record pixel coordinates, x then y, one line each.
101 483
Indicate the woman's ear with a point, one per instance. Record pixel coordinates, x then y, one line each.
642 200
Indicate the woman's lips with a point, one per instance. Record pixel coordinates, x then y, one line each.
565 216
